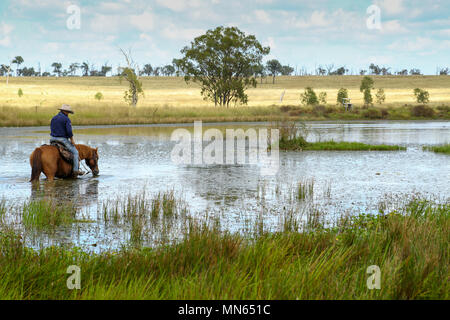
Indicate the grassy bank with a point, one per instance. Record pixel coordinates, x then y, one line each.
114 115
439 149
410 246
171 100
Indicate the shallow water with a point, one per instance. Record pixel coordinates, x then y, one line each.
134 158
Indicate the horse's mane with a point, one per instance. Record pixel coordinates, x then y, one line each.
85 151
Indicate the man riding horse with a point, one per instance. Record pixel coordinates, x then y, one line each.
52 161
61 131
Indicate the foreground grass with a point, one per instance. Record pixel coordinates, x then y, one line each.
410 246
439 149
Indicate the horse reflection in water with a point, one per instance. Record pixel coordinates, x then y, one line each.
81 192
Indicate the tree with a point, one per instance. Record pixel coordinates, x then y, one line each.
73 68
309 97
223 61
18 60
168 70
415 72
260 71
339 72
422 96
286 70
380 95
376 70
342 94
444 71
274 67
57 68
129 74
85 68
323 98
27 72
321 71
105 69
147 70
366 87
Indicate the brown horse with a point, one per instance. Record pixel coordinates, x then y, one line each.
47 159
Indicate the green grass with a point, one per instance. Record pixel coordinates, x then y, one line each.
445 148
409 245
350 146
45 214
300 144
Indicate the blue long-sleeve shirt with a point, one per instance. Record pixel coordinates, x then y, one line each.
61 126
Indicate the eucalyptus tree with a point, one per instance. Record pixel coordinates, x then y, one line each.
222 61
18 60
274 67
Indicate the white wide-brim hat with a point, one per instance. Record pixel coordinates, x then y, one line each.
67 108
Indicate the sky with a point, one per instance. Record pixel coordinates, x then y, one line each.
401 34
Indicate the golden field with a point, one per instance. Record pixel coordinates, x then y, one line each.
173 91
170 99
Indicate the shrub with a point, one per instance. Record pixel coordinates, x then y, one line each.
384 113
373 113
309 97
422 111
366 87
20 93
323 98
319 110
381 97
422 96
342 94
98 96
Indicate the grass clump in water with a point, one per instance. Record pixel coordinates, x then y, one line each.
445 148
350 146
44 214
293 137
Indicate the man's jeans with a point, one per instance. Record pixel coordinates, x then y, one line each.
66 142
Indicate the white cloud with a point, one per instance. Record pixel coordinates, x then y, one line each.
262 16
175 32
419 44
181 5
143 22
391 7
392 27
5 38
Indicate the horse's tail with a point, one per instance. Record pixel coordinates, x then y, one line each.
36 165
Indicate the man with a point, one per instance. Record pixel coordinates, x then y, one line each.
61 131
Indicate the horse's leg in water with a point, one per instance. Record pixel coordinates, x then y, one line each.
49 165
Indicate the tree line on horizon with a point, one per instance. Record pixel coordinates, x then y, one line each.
272 68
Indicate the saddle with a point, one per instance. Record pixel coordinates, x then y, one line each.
65 154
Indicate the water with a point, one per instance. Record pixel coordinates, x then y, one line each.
137 158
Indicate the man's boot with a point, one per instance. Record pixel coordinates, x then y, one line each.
75 174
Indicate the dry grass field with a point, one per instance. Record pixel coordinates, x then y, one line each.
173 91
170 99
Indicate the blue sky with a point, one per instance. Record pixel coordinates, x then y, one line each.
414 33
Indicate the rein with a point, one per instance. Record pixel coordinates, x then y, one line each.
87 170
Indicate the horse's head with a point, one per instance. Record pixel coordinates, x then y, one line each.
92 161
